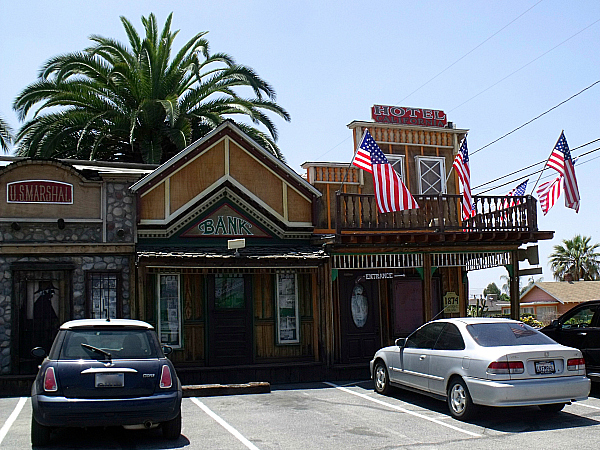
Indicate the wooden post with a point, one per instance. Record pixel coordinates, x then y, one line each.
427 307
515 306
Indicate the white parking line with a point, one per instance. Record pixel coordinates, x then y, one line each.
398 408
13 416
225 425
587 406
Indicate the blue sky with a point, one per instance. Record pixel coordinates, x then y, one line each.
329 62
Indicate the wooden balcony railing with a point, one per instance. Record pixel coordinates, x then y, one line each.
358 212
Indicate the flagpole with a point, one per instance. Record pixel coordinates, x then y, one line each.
352 160
546 165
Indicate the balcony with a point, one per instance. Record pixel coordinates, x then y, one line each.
357 213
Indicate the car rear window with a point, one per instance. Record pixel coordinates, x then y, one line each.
118 343
502 334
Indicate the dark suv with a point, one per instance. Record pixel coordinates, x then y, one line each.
580 328
105 373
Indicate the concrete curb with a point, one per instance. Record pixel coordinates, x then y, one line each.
207 390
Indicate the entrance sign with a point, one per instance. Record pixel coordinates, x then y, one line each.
39 191
409 116
451 303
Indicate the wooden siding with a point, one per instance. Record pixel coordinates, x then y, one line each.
152 205
196 176
259 180
299 208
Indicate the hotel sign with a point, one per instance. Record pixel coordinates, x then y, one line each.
39 191
409 116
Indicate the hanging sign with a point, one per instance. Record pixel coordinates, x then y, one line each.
39 191
451 303
409 116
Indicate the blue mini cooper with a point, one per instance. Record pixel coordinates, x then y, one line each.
105 373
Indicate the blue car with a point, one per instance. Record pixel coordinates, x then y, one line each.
105 373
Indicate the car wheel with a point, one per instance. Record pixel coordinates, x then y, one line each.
40 434
172 428
381 379
552 408
459 400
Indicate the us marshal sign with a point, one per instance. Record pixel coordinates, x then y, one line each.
225 222
39 191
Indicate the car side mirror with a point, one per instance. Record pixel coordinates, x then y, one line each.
556 324
400 342
167 350
38 352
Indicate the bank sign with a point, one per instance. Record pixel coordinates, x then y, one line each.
225 222
409 116
39 191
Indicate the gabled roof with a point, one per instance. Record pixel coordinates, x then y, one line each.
568 291
230 128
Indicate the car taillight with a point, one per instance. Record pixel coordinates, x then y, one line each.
506 367
575 364
50 380
165 378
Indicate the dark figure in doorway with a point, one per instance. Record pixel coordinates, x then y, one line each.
45 319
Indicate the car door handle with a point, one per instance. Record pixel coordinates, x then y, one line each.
422 357
581 334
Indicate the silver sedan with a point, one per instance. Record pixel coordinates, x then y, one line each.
483 361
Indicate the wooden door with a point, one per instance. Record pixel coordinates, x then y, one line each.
230 338
359 308
42 301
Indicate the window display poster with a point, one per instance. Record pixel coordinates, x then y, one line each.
287 308
169 317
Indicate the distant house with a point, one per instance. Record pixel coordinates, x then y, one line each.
548 300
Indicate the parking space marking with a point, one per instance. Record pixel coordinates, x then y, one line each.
587 406
225 425
13 416
399 408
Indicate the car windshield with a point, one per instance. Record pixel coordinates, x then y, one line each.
108 344
502 334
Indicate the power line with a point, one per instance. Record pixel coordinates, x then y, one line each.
522 67
470 51
535 118
537 171
532 165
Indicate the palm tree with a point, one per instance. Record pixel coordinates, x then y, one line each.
576 257
119 103
5 135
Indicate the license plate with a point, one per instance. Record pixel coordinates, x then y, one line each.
544 367
110 380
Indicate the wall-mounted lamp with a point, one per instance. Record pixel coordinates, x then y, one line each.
15 226
61 224
120 232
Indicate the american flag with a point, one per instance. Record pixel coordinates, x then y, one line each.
516 192
560 160
549 192
461 164
390 192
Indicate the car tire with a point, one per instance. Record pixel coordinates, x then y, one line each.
172 428
381 378
459 399
40 434
552 407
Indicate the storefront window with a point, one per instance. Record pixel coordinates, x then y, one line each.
287 309
432 171
103 290
169 310
229 291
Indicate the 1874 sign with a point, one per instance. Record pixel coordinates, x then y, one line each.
451 303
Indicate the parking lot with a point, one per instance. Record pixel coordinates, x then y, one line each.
329 415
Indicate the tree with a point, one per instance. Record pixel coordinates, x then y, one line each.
5 135
136 103
576 257
491 289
